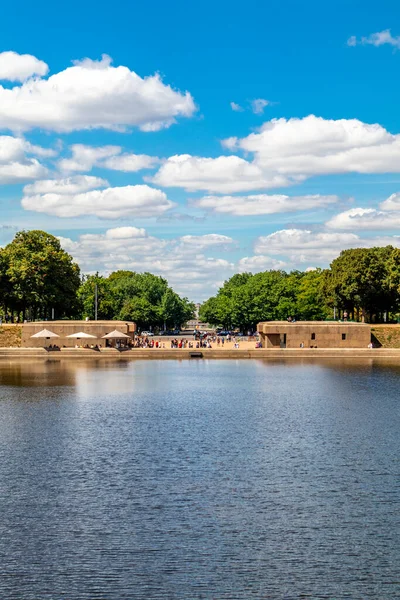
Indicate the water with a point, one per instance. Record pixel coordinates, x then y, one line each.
199 479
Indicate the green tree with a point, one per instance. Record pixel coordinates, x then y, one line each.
141 311
175 311
106 305
37 275
312 303
361 281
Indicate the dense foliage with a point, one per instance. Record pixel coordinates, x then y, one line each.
140 297
362 282
246 299
366 281
38 276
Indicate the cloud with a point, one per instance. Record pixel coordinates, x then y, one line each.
130 163
300 148
225 174
186 269
376 39
210 240
286 152
259 263
84 158
391 203
262 204
299 246
369 218
69 186
139 201
236 107
258 105
92 95
19 67
16 166
125 233
177 216
365 218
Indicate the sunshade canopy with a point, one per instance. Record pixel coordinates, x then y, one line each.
80 334
115 335
44 333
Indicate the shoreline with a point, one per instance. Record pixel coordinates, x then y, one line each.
206 353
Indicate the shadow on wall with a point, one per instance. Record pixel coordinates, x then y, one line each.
375 341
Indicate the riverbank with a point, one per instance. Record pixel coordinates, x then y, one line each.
207 353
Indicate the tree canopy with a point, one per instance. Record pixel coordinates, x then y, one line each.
143 298
37 275
366 281
363 282
246 299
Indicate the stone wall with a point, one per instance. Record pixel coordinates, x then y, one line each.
65 328
314 334
387 336
10 336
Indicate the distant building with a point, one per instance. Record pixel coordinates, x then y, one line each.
196 323
314 334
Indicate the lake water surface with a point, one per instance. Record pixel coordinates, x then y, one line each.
187 480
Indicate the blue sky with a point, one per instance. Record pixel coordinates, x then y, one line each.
183 173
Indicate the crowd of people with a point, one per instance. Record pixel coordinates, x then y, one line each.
199 340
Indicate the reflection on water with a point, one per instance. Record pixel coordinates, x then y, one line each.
199 479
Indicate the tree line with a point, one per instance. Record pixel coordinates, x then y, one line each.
362 283
38 279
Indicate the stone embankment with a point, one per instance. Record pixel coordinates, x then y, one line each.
206 353
387 336
10 336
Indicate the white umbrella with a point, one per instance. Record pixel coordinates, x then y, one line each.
45 333
81 334
115 335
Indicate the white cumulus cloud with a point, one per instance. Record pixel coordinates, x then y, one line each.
69 185
93 94
19 67
259 263
224 174
299 246
285 152
300 148
262 204
391 203
16 164
365 218
110 203
125 233
84 158
130 163
209 240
